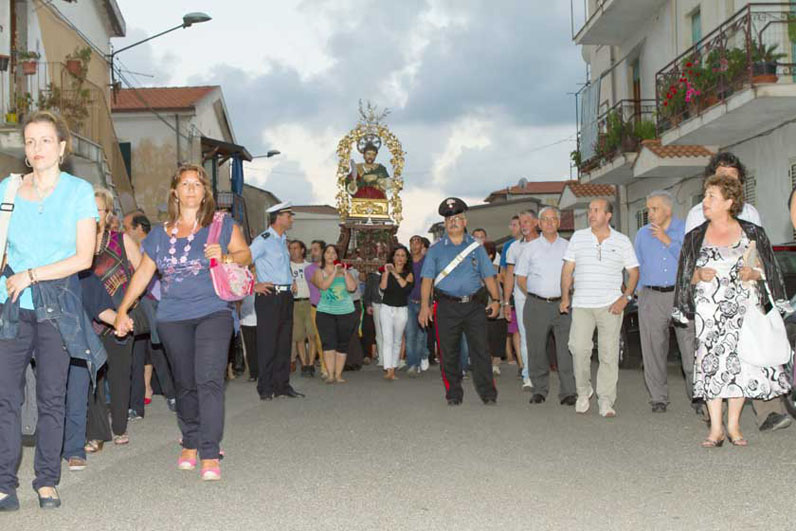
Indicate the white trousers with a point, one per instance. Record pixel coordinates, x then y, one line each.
393 324
377 326
519 306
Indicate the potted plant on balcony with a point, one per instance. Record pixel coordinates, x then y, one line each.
24 102
576 158
29 61
614 131
764 63
645 130
77 62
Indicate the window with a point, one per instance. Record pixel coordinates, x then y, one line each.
642 218
750 190
696 26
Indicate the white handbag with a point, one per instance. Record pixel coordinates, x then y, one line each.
763 341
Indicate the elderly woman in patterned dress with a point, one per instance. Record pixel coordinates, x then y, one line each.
715 287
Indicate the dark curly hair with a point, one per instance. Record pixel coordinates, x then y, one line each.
730 189
725 159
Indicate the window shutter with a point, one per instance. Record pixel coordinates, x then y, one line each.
642 218
750 190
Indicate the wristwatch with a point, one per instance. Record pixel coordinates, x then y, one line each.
629 297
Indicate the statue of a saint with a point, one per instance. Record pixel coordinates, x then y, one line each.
369 179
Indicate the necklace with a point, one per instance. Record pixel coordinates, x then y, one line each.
39 193
173 241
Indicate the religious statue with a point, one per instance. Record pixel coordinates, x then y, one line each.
369 179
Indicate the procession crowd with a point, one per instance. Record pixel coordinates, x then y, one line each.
105 312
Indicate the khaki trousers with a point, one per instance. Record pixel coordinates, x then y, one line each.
608 325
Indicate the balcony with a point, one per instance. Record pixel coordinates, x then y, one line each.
736 82
620 131
608 20
84 106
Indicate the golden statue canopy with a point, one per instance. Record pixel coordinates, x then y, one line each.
365 189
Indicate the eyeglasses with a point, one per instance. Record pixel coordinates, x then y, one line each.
455 219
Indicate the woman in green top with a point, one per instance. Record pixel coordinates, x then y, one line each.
335 318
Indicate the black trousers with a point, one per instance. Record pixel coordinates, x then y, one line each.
250 342
198 350
274 338
145 353
52 366
452 319
117 372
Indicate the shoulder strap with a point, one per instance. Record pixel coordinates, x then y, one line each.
455 262
7 207
215 227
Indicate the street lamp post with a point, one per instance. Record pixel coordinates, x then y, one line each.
188 20
271 153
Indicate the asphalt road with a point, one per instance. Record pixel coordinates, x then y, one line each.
373 454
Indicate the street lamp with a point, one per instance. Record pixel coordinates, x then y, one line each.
271 153
188 20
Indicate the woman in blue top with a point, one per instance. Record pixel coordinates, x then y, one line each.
335 318
194 324
50 237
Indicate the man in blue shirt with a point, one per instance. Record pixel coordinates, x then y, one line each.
658 250
457 268
273 304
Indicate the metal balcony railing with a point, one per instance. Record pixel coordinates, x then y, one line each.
755 46
620 129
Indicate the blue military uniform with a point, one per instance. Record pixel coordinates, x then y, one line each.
274 311
459 309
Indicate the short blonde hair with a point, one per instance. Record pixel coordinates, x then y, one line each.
106 197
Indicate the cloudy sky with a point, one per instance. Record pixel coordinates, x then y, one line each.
477 88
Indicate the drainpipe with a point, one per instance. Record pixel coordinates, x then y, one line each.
179 153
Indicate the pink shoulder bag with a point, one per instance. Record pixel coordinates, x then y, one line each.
232 282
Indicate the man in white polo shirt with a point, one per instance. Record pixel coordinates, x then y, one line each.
538 275
597 256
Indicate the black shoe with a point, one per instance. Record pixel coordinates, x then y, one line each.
49 503
290 393
252 378
537 399
267 396
775 421
132 415
9 503
172 404
569 400
311 371
454 401
659 407
490 402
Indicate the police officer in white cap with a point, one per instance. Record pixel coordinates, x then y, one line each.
273 304
457 269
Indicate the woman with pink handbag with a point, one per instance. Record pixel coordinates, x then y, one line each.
194 315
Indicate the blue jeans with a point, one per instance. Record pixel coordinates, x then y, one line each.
416 340
77 389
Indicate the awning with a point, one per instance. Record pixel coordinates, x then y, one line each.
223 150
655 160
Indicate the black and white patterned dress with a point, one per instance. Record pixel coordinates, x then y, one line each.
720 308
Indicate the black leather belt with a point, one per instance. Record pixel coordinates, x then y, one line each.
301 299
461 300
546 299
662 289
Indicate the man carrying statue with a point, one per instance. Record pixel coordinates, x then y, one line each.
369 179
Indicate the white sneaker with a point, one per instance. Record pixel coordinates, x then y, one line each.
526 384
495 370
582 404
423 365
401 364
606 410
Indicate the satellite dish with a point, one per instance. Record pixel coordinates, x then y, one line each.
523 182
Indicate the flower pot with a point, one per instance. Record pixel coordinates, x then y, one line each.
765 78
629 144
29 67
74 66
11 118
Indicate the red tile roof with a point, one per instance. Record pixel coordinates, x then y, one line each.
315 209
591 190
672 151
537 187
159 98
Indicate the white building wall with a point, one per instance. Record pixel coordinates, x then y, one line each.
308 227
85 15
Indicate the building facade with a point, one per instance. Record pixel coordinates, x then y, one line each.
672 82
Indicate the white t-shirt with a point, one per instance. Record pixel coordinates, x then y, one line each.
696 217
301 281
599 267
541 264
513 258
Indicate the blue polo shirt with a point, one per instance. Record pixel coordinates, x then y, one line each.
467 277
271 258
658 263
505 253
